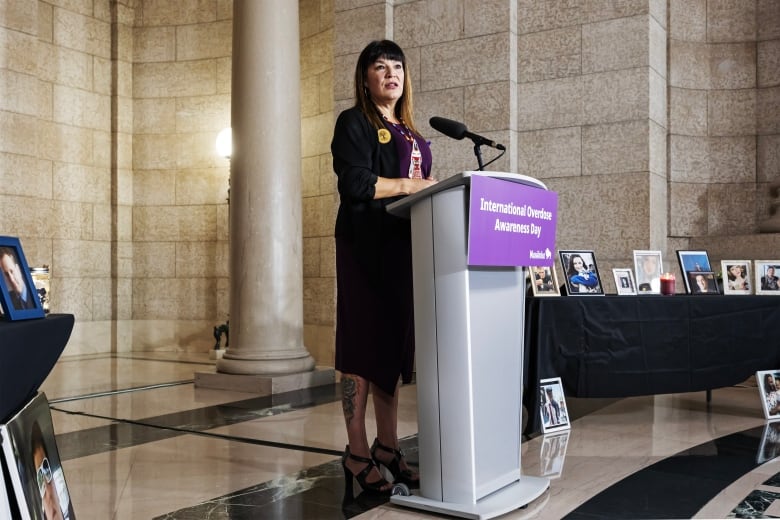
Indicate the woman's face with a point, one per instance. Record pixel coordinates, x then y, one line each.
578 264
770 271
736 271
385 81
701 282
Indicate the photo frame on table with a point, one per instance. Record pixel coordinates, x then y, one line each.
648 266
30 454
768 382
767 277
692 261
18 295
544 281
624 281
737 277
702 282
553 454
552 406
581 273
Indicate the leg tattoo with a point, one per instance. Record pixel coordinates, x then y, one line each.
348 395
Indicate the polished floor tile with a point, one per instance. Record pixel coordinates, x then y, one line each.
137 440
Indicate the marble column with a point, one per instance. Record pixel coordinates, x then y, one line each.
266 284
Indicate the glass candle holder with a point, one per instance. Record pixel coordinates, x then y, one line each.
667 284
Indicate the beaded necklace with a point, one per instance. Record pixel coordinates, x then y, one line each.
402 129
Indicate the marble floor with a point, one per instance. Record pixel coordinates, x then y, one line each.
137 440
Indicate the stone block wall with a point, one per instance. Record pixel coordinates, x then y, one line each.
724 113
181 67
592 122
320 198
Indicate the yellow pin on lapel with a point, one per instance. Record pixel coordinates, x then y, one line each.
384 135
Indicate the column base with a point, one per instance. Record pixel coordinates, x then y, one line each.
265 385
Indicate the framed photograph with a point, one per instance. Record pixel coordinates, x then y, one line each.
29 450
767 281
769 390
581 272
648 268
553 454
552 406
624 281
702 282
544 281
18 295
736 277
692 261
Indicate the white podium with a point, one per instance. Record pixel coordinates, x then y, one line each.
469 325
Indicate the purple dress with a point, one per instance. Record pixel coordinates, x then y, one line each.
374 306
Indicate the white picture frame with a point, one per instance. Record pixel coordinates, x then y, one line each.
27 438
648 267
624 281
767 279
552 406
768 382
737 276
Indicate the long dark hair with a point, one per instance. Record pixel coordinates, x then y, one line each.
403 109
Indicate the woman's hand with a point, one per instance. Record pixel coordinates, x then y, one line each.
385 187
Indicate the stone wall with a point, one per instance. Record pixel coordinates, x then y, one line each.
320 199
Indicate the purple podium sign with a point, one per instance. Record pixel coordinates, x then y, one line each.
511 224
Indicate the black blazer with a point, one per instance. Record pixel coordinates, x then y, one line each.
358 159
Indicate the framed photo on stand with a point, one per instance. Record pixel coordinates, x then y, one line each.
767 279
702 282
544 281
736 276
690 262
581 273
18 296
30 454
552 406
624 281
648 267
769 389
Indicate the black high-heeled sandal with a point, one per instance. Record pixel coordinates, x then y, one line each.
374 488
402 476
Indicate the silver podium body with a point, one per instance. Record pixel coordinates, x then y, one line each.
469 324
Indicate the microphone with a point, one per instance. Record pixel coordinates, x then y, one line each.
458 131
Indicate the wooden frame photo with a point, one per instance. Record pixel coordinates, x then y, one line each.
544 281
624 281
767 279
768 382
581 273
552 406
736 276
648 267
693 261
18 296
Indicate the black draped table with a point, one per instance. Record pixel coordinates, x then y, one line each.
622 346
28 351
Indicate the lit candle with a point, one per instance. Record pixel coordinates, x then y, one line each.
667 283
